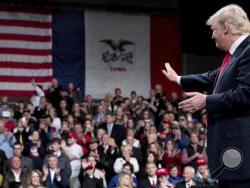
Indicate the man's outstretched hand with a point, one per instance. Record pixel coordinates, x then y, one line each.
170 73
196 102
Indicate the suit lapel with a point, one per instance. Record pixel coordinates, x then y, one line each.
242 46
113 129
148 182
22 176
11 176
50 180
232 61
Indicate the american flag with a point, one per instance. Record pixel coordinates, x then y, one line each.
25 50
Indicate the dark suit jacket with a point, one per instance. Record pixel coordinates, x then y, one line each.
117 133
63 183
182 184
228 110
87 182
145 183
9 179
63 163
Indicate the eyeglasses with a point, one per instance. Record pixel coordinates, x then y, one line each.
17 148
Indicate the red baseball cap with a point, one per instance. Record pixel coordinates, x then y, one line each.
72 135
162 171
201 161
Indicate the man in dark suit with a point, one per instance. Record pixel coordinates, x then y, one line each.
228 112
188 174
54 177
15 176
150 181
114 131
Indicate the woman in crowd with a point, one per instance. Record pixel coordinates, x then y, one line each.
73 92
19 111
126 152
171 156
89 128
154 147
119 116
78 113
55 121
125 181
71 121
82 138
34 180
36 149
130 137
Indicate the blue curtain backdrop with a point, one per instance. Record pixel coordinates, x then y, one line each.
68 48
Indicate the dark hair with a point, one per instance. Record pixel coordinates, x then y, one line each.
130 166
154 154
50 156
29 183
173 166
170 140
17 143
55 140
133 92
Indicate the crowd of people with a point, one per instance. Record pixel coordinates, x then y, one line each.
60 139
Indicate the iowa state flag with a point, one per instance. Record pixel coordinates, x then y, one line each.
117 53
97 51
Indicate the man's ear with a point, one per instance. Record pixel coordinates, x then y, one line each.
226 28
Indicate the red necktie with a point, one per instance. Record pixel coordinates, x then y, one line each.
224 63
153 183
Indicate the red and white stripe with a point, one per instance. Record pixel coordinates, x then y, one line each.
25 50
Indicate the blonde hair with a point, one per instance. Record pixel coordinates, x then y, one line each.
152 137
127 146
120 181
158 148
29 183
233 16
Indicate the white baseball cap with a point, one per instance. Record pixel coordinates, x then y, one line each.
6 114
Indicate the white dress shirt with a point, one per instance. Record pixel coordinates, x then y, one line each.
153 180
17 175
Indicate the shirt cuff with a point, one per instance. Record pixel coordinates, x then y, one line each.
178 80
58 178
